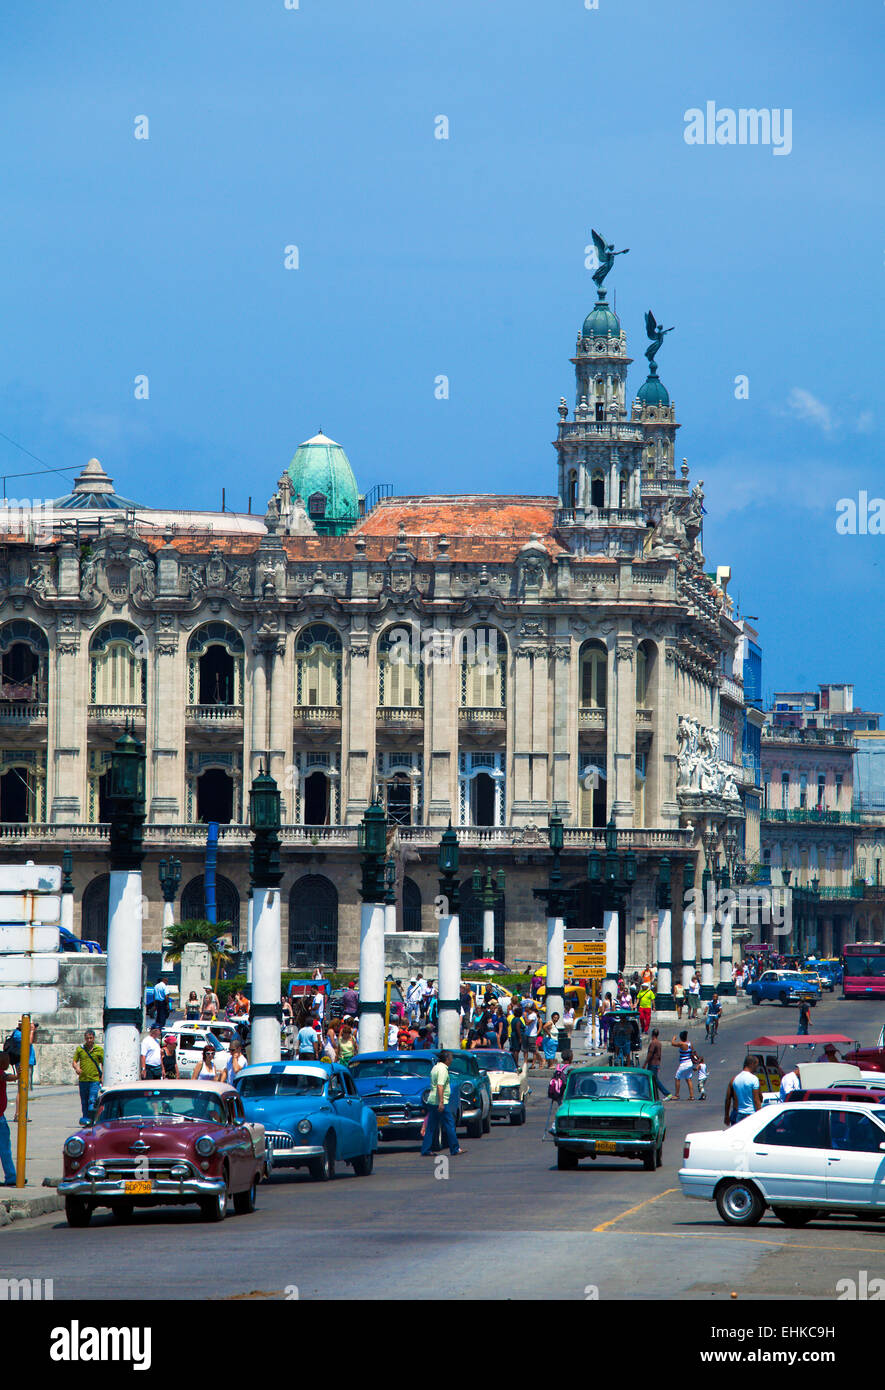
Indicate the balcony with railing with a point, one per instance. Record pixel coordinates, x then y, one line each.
400 716
22 714
809 816
787 733
590 719
215 716
116 714
318 716
644 717
482 717
731 689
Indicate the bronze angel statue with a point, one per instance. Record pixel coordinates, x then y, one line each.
657 334
605 254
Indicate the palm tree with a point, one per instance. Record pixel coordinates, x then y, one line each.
198 930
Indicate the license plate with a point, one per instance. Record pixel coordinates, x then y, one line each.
382 1120
606 1146
137 1189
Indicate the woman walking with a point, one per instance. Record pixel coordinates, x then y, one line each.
169 1059
347 1048
685 1063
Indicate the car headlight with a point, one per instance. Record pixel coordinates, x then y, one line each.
74 1146
304 1126
426 1096
468 1093
205 1145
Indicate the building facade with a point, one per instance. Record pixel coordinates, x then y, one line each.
480 659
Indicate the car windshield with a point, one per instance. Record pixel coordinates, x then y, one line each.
608 1085
793 977
864 965
281 1084
464 1062
165 1104
378 1068
496 1061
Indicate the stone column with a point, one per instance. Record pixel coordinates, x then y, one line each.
664 993
123 998
449 982
555 997
488 931
266 954
726 952
707 977
371 1010
441 701
623 743
611 927
358 726
168 698
67 741
689 928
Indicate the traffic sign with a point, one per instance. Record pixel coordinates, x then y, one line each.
28 999
595 972
29 878
588 947
28 970
19 939
579 963
30 907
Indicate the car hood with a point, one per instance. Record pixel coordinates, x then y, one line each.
497 1079
379 1088
285 1112
609 1108
117 1136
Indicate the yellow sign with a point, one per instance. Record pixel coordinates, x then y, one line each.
593 972
590 947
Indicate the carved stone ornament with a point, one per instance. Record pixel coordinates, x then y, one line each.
625 652
561 652
530 835
67 648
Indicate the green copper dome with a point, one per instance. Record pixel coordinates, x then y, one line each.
601 322
321 474
653 391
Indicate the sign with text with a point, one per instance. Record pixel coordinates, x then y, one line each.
20 939
28 999
28 970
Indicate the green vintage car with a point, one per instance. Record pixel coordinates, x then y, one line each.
610 1110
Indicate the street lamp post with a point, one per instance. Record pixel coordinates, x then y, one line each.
726 930
123 1017
488 893
373 843
560 903
449 942
709 880
170 877
389 896
616 874
664 894
67 890
266 1015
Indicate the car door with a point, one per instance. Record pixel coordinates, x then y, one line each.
238 1144
789 1156
358 1114
856 1161
349 1143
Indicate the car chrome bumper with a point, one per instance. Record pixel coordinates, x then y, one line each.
623 1148
160 1187
695 1184
505 1107
291 1158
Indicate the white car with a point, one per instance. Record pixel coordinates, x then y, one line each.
191 1038
800 1160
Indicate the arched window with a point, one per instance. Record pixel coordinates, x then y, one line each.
227 904
318 666
411 905
572 493
400 668
597 489
215 796
483 669
594 667
215 665
23 656
313 923
94 910
646 655
118 667
316 799
472 923
482 799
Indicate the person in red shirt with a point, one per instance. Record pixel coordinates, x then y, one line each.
5 1143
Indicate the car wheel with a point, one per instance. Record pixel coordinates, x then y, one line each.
565 1161
78 1212
487 1123
122 1211
323 1169
659 1154
795 1216
475 1128
756 999
783 998
519 1117
739 1204
214 1208
244 1202
363 1165
649 1161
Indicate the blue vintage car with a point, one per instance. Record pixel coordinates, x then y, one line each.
313 1115
783 987
395 1085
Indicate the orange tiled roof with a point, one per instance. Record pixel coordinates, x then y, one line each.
478 515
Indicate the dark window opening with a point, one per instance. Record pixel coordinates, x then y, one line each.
572 499
597 493
313 923
316 504
104 799
20 664
411 905
215 796
316 799
216 677
600 410
94 911
14 796
482 799
399 801
599 817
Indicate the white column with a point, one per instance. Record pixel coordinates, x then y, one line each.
389 918
689 963
555 997
266 949
664 992
610 927
67 911
726 954
250 918
450 982
168 916
707 981
488 931
122 1041
371 1033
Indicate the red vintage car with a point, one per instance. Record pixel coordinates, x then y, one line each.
164 1143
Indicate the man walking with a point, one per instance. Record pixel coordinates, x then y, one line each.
161 1004
88 1063
152 1055
439 1116
653 1058
307 1047
5 1144
646 1002
743 1097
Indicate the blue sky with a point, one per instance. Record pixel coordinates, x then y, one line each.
314 127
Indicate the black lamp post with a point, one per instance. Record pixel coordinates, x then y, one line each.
126 795
67 871
390 881
264 821
614 875
170 877
372 840
447 860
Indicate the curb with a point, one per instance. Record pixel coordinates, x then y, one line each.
28 1205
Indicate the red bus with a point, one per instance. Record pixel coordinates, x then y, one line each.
863 970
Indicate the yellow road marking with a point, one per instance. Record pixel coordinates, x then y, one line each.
648 1201
752 1240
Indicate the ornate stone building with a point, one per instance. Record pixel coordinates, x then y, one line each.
486 659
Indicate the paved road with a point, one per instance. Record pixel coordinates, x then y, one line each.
504 1223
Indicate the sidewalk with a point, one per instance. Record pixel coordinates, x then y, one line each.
54 1112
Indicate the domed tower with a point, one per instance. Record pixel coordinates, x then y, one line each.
321 475
600 450
654 410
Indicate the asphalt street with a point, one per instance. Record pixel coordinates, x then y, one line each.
501 1222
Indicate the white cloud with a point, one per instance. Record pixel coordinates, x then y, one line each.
807 407
864 422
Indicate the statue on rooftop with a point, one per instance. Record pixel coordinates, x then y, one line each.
605 252
657 334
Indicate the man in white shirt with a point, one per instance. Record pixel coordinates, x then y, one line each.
790 1082
152 1055
319 1005
392 1033
530 1035
743 1096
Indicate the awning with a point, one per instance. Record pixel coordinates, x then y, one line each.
806 1039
